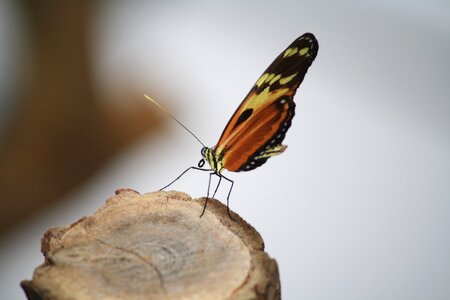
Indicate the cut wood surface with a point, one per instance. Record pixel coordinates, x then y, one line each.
155 246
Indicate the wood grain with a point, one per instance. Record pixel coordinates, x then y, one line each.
155 246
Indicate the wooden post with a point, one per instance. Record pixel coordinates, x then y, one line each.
155 246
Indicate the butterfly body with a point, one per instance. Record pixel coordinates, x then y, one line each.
213 159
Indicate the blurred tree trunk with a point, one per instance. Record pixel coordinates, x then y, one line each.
61 133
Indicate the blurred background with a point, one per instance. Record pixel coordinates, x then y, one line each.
356 208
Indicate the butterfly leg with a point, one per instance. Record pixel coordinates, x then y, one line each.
217 187
195 168
209 184
207 194
228 197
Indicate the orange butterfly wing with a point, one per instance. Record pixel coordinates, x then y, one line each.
258 126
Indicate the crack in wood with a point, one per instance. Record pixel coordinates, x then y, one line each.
149 263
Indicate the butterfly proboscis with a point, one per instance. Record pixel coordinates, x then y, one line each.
204 152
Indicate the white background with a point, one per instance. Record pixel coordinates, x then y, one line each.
358 206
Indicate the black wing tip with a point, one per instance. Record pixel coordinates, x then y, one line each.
308 35
310 38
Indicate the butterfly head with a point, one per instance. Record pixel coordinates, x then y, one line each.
201 163
210 156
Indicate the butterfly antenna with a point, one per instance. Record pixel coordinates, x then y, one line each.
175 119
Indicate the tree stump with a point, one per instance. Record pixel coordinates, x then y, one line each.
155 246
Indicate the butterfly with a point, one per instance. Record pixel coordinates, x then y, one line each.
258 127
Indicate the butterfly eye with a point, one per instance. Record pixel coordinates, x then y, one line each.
201 163
203 152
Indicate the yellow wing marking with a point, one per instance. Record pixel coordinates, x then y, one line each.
261 79
290 52
275 79
264 98
278 149
303 51
285 80
269 78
